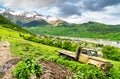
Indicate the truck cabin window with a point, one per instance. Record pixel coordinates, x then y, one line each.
84 51
92 53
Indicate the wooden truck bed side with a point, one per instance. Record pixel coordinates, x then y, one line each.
67 53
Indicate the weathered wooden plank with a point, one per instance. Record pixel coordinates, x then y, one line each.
66 53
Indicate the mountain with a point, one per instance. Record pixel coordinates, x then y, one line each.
36 23
86 30
24 18
57 22
8 24
101 28
20 17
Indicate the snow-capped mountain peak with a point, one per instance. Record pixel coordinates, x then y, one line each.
12 12
26 14
2 10
23 17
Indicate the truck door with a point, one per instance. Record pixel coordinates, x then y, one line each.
83 56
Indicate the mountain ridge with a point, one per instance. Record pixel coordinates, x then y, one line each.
22 17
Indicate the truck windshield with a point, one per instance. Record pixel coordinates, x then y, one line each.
92 53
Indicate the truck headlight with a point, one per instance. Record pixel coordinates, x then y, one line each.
103 67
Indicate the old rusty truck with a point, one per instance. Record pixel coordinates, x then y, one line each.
88 56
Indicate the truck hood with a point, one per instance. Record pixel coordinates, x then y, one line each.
99 59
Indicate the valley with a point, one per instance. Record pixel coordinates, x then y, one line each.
59 39
87 30
38 53
96 41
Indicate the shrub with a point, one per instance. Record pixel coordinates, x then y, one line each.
26 67
110 52
58 43
66 45
74 47
48 41
114 73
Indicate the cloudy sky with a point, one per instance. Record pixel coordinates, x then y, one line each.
75 11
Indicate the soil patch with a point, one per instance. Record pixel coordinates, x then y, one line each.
55 71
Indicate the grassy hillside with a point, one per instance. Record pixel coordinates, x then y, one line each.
86 30
8 24
23 48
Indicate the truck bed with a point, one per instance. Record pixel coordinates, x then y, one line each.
66 53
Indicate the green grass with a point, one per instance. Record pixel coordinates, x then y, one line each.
23 48
115 70
8 24
8 32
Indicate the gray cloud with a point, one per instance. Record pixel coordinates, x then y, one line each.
63 5
96 5
28 3
68 10
77 7
66 7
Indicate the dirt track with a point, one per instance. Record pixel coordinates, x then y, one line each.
5 54
6 61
